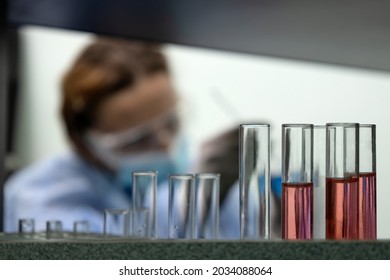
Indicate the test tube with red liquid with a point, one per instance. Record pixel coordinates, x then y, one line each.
297 181
342 182
367 182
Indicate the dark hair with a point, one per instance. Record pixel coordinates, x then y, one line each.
102 69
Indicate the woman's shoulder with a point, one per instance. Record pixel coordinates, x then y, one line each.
63 167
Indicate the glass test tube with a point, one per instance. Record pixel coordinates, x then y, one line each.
26 226
144 197
255 181
319 181
367 182
54 228
207 205
141 223
297 181
117 222
342 184
181 206
81 227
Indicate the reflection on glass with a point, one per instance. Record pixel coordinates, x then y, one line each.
181 206
255 181
207 205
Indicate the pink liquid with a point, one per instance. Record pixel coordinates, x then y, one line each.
367 206
297 211
342 208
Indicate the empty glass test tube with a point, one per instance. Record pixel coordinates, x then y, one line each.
207 205
144 197
117 222
319 181
254 175
53 228
342 183
26 227
297 181
181 206
367 182
81 227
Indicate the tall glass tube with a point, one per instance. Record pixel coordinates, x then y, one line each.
181 206
367 182
297 181
319 180
254 181
342 183
144 197
207 205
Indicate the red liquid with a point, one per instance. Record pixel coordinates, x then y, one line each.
367 206
297 211
342 208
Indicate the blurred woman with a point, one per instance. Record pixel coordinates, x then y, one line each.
119 111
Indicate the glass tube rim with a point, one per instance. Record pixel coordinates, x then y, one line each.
343 124
26 219
260 125
318 126
297 125
181 176
116 211
53 221
367 125
207 175
146 172
80 221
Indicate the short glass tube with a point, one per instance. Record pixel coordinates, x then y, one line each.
297 181
342 183
144 197
254 177
207 205
117 223
26 226
367 182
81 227
53 229
181 206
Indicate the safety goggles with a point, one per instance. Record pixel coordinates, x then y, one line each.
156 131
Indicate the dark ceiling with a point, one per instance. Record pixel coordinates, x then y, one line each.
347 32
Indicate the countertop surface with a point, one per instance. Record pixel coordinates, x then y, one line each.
97 247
